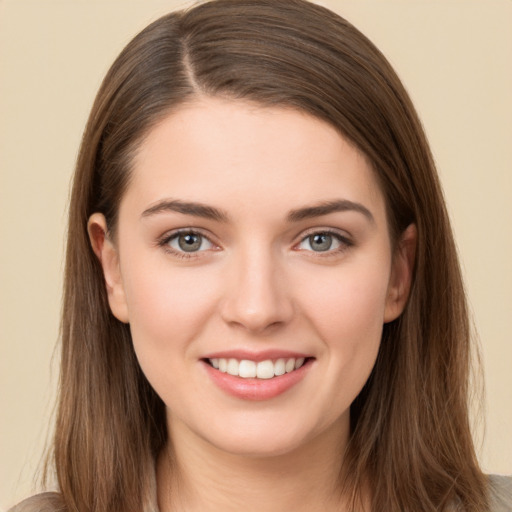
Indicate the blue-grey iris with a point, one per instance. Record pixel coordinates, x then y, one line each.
189 242
320 241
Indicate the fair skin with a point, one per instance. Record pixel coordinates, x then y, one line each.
256 274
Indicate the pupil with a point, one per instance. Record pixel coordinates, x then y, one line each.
321 242
189 242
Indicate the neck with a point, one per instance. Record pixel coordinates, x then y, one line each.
194 475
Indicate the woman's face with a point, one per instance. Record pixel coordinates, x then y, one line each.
253 263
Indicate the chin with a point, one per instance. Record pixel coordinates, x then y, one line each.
269 438
260 446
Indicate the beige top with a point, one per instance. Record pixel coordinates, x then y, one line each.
501 493
500 490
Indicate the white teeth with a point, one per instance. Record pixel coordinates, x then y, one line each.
290 365
265 370
280 367
247 369
262 370
232 368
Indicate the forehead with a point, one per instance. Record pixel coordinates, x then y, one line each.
232 153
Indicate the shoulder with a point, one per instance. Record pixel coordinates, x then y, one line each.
45 502
500 492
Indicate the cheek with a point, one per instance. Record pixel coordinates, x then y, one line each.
349 305
167 305
347 314
167 308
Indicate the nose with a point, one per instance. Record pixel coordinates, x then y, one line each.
257 296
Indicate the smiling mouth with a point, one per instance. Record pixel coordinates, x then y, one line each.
267 369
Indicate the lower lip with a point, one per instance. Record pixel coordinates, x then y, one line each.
256 389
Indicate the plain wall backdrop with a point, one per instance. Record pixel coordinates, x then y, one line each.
455 58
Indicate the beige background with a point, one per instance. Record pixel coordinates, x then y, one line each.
455 58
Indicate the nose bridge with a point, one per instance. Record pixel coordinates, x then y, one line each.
257 296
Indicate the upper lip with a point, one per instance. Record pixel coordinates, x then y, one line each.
263 355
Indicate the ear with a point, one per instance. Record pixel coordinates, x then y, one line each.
401 274
107 254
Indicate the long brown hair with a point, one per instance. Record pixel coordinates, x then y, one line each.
410 432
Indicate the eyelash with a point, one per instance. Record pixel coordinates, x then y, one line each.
168 237
345 243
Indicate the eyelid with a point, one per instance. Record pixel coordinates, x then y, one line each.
342 236
163 241
340 233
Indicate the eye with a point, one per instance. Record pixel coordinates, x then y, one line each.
324 241
187 242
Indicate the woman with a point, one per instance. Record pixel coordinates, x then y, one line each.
263 306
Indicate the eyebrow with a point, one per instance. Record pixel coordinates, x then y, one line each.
210 212
327 207
187 208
